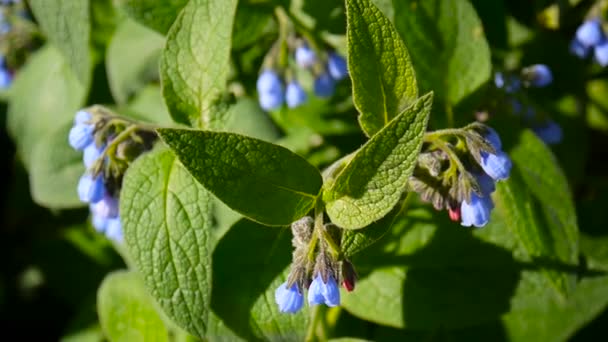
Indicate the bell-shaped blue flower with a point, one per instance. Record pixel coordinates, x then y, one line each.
600 53
498 166
493 138
550 132
486 183
270 90
305 56
539 75
337 67
579 50
107 207
114 229
81 136
288 299
90 154
82 117
590 33
324 86
295 95
477 212
99 223
91 190
320 292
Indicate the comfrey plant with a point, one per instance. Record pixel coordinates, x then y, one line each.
109 144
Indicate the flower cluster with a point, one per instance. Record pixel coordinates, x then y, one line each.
534 76
320 275
108 144
590 39
277 85
457 171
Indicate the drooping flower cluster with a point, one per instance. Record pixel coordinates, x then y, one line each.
108 144
278 84
590 39
534 76
457 171
319 276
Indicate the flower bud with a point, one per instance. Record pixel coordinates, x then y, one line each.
324 86
349 276
289 299
295 95
305 56
337 67
590 33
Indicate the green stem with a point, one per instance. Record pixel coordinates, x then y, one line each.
283 19
315 43
438 134
314 321
450 113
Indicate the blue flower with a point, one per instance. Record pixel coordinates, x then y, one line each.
499 79
337 67
578 49
82 117
539 75
320 292
90 154
590 33
486 183
601 53
91 190
99 223
6 79
305 56
288 299
107 207
270 90
493 138
324 85
114 229
81 136
550 132
295 95
498 166
477 212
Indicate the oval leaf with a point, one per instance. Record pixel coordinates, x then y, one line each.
195 63
384 83
126 311
262 181
371 184
158 15
166 217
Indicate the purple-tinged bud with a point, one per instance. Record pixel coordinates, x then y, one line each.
289 299
114 229
349 276
81 136
454 214
90 154
305 56
538 75
550 132
91 190
601 53
324 86
579 50
590 33
320 292
295 95
477 212
498 166
107 207
337 67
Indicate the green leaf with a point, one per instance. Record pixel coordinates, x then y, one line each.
371 184
264 182
44 97
158 15
536 202
246 276
246 117
126 311
128 72
66 24
148 105
447 45
55 171
384 83
166 217
196 60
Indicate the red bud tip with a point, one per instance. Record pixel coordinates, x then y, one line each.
348 285
454 214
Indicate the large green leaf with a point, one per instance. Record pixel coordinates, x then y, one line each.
126 311
249 263
384 83
370 185
536 202
196 60
66 24
44 97
166 218
128 72
147 105
158 15
447 45
55 171
262 181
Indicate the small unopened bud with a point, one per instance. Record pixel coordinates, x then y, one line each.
349 276
454 212
302 231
